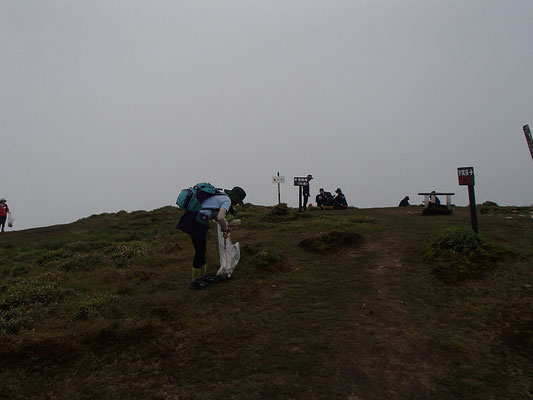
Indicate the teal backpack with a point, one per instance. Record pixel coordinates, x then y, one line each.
191 199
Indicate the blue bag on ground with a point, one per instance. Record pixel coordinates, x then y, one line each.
191 199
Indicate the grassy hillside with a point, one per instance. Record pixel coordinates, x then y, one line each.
324 305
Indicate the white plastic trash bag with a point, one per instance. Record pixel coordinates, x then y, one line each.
10 219
230 254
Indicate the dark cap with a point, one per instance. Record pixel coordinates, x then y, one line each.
237 195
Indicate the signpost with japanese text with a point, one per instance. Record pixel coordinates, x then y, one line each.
466 178
300 181
278 179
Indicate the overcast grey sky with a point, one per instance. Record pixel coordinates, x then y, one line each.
117 104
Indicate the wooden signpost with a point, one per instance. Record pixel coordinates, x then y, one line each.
278 179
466 178
300 181
529 139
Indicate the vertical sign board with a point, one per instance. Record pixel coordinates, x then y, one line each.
278 179
300 181
466 178
529 139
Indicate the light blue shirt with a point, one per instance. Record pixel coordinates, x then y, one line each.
215 202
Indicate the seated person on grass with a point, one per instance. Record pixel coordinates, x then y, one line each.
324 199
339 202
319 199
404 202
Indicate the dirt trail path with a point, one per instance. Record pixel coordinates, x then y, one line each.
401 355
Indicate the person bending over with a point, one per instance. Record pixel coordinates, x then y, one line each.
196 224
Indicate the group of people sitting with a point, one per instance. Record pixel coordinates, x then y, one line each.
325 200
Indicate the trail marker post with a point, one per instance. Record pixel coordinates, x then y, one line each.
466 178
300 181
278 179
529 139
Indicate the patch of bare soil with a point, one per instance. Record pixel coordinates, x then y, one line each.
48 352
332 241
405 359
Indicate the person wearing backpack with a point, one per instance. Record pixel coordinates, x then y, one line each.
339 202
196 223
4 209
327 200
319 199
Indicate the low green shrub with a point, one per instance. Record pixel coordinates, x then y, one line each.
460 253
86 247
31 292
82 262
14 321
94 306
21 305
14 270
282 213
48 256
123 254
9 325
268 257
463 241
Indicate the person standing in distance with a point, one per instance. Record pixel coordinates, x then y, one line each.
196 224
4 209
306 191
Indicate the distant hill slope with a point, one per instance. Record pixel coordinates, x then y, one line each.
323 305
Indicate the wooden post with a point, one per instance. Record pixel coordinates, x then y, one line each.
473 208
529 139
279 194
466 177
300 197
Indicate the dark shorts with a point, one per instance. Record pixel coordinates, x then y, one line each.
190 225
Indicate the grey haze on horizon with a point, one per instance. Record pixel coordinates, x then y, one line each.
112 105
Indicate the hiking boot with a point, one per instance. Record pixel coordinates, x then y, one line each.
198 284
223 277
210 278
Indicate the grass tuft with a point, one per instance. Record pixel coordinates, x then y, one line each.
459 253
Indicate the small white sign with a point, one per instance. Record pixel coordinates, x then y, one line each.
278 179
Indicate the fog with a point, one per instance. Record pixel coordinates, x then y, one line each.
117 105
